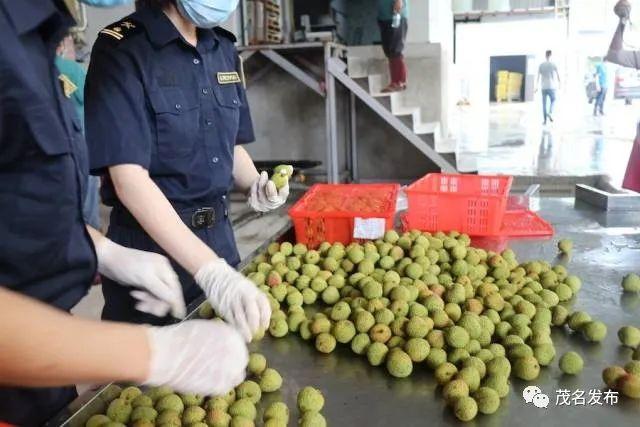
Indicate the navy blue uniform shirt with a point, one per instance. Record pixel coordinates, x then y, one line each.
176 110
45 251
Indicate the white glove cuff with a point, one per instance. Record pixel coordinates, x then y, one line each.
160 362
105 252
209 276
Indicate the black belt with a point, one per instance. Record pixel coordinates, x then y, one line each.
196 218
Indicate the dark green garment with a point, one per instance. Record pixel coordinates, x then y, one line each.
77 74
385 9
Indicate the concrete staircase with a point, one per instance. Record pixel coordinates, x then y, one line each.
369 69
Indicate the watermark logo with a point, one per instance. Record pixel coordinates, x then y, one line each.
533 395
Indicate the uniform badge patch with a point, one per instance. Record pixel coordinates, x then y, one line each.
120 30
68 87
229 78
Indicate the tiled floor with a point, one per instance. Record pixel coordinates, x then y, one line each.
511 139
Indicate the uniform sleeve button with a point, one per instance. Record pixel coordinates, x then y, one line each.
209 122
215 160
178 106
235 101
196 61
205 91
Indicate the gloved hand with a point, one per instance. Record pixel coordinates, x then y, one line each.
198 356
263 195
234 297
159 288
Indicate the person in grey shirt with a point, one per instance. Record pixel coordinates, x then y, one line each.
548 81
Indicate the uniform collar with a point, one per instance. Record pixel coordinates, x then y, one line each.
162 31
27 15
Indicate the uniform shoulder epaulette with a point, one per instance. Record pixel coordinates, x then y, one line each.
225 33
121 29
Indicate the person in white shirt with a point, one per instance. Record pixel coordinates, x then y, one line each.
548 81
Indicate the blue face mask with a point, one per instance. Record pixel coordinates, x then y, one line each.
207 13
106 3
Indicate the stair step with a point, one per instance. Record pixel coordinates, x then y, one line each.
407 119
384 100
446 145
363 82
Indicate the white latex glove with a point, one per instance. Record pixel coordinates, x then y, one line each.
198 356
159 287
263 195
234 297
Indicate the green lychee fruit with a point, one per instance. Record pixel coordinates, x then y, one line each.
344 331
470 376
277 410
612 374
119 410
142 400
544 353
417 349
360 343
445 373
631 283
629 336
169 418
594 331
270 381
465 408
325 343
310 400
633 367
376 353
243 408
487 399
498 383
565 246
399 363
629 385
217 418
577 319
312 419
278 328
240 421
97 420
130 393
249 390
526 368
454 390
193 414
571 363
457 337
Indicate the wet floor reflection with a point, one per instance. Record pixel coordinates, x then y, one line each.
512 141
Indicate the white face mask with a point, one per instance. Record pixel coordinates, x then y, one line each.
207 13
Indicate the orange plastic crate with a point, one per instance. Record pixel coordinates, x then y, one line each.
327 212
472 204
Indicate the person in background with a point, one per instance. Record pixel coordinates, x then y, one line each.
73 76
602 85
548 82
627 58
392 19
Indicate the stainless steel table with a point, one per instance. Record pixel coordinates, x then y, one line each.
607 246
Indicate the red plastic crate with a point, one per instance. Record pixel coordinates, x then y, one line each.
472 204
327 211
515 223
524 223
